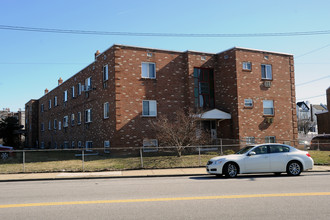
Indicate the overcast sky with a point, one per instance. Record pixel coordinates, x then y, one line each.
31 61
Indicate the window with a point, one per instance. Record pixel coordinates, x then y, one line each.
65 96
106 110
79 144
55 124
88 115
72 119
42 108
248 103
268 107
66 145
55 101
49 125
49 104
278 149
79 88
59 125
107 147
89 145
247 65
250 140
65 121
72 144
79 118
266 71
72 91
261 150
270 139
149 70
105 73
203 88
42 127
88 84
150 145
149 108
42 146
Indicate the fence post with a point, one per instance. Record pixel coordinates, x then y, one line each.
221 153
83 160
23 161
199 155
141 156
318 145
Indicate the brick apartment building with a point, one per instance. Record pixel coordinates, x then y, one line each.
247 94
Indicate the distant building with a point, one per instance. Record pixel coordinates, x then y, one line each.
249 95
20 115
323 119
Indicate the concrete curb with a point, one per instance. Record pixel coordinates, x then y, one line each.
119 174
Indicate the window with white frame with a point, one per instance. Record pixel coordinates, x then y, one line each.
270 139
79 88
55 124
107 147
88 84
72 144
65 96
59 125
79 118
88 115
268 106
42 107
247 65
72 119
150 145
79 144
149 108
248 103
105 73
106 110
55 101
49 125
42 127
89 145
72 92
250 140
266 71
65 121
148 70
49 104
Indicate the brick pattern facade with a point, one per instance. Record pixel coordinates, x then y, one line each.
172 89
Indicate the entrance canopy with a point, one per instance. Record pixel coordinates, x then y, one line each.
214 114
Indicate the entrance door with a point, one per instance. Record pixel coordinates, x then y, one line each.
210 126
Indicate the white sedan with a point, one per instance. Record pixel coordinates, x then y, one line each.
262 158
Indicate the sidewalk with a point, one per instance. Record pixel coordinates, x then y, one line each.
118 174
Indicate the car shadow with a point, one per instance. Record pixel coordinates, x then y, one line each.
251 177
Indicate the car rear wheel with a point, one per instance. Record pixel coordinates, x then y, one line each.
294 168
230 170
4 156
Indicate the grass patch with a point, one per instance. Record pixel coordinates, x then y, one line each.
37 162
320 157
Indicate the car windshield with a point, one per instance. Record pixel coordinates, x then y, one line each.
244 150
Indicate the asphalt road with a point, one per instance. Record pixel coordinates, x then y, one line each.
202 197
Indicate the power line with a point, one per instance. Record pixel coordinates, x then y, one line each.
311 81
312 51
312 97
140 34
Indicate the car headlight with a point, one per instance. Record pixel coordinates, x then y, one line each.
218 161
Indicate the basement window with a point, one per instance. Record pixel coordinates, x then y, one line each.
150 145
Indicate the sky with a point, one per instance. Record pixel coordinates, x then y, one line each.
32 61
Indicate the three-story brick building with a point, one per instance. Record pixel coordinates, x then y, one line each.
247 94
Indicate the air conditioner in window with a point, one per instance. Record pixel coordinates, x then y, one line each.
267 84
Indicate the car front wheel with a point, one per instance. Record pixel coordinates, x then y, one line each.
294 168
230 170
4 156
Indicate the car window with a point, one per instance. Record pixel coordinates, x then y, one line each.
279 149
261 150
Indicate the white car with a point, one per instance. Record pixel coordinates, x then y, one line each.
262 158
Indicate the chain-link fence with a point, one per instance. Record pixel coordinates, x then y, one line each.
112 159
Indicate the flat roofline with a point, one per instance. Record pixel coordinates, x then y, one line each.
256 50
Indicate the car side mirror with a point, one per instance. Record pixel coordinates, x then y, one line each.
252 153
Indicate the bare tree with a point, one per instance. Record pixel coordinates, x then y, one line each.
180 130
304 125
